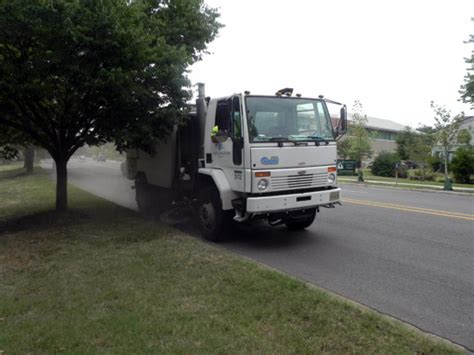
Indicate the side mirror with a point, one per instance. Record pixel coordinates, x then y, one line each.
341 128
222 136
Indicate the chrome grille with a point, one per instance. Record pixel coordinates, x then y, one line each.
291 182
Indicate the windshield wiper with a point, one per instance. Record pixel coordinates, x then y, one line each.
318 139
281 140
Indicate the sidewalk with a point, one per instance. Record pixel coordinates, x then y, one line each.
407 184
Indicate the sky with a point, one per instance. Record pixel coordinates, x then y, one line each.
393 56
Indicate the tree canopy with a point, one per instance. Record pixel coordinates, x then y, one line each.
464 137
447 127
467 89
358 135
96 71
405 140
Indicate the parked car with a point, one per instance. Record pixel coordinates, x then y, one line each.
410 164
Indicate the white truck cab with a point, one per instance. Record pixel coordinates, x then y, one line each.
246 157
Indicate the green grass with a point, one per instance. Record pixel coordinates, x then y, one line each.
16 167
100 278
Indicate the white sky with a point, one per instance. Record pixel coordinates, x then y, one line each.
394 56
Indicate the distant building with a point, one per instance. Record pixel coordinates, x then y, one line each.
385 132
467 123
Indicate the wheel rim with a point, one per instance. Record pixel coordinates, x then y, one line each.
208 216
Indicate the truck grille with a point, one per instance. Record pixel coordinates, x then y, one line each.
290 182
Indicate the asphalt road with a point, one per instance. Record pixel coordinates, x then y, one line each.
404 253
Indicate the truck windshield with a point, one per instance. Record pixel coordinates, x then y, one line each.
287 118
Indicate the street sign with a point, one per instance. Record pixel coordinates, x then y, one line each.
346 167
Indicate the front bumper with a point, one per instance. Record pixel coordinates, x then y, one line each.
294 201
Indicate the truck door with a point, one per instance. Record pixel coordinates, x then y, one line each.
228 155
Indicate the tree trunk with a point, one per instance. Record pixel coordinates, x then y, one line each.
445 164
61 185
29 155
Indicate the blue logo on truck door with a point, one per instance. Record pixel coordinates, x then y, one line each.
269 161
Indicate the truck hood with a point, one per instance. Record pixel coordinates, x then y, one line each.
290 156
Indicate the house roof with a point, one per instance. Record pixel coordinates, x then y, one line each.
467 119
382 124
377 123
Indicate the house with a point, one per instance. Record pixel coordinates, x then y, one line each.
383 131
468 124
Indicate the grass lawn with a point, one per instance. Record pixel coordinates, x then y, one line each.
15 168
101 278
416 183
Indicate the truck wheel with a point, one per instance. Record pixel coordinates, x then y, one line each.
211 217
301 224
143 196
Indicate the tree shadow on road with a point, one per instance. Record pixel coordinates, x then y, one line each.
258 235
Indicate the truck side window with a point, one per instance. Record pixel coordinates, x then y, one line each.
236 118
223 115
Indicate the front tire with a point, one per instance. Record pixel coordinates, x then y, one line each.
211 218
300 224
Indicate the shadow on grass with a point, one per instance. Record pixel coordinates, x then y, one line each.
14 173
100 224
42 221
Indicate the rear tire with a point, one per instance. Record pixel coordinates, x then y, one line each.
151 199
301 224
143 196
212 218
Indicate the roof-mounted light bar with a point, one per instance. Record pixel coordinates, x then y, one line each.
285 91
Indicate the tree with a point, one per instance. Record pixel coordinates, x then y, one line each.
464 137
385 164
343 147
7 150
416 146
91 72
359 137
446 132
11 142
29 158
426 129
462 164
420 152
467 89
405 141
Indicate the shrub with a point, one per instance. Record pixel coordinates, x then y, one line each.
436 163
418 174
462 164
438 177
384 164
403 171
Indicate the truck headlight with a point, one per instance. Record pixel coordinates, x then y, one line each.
331 179
262 184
